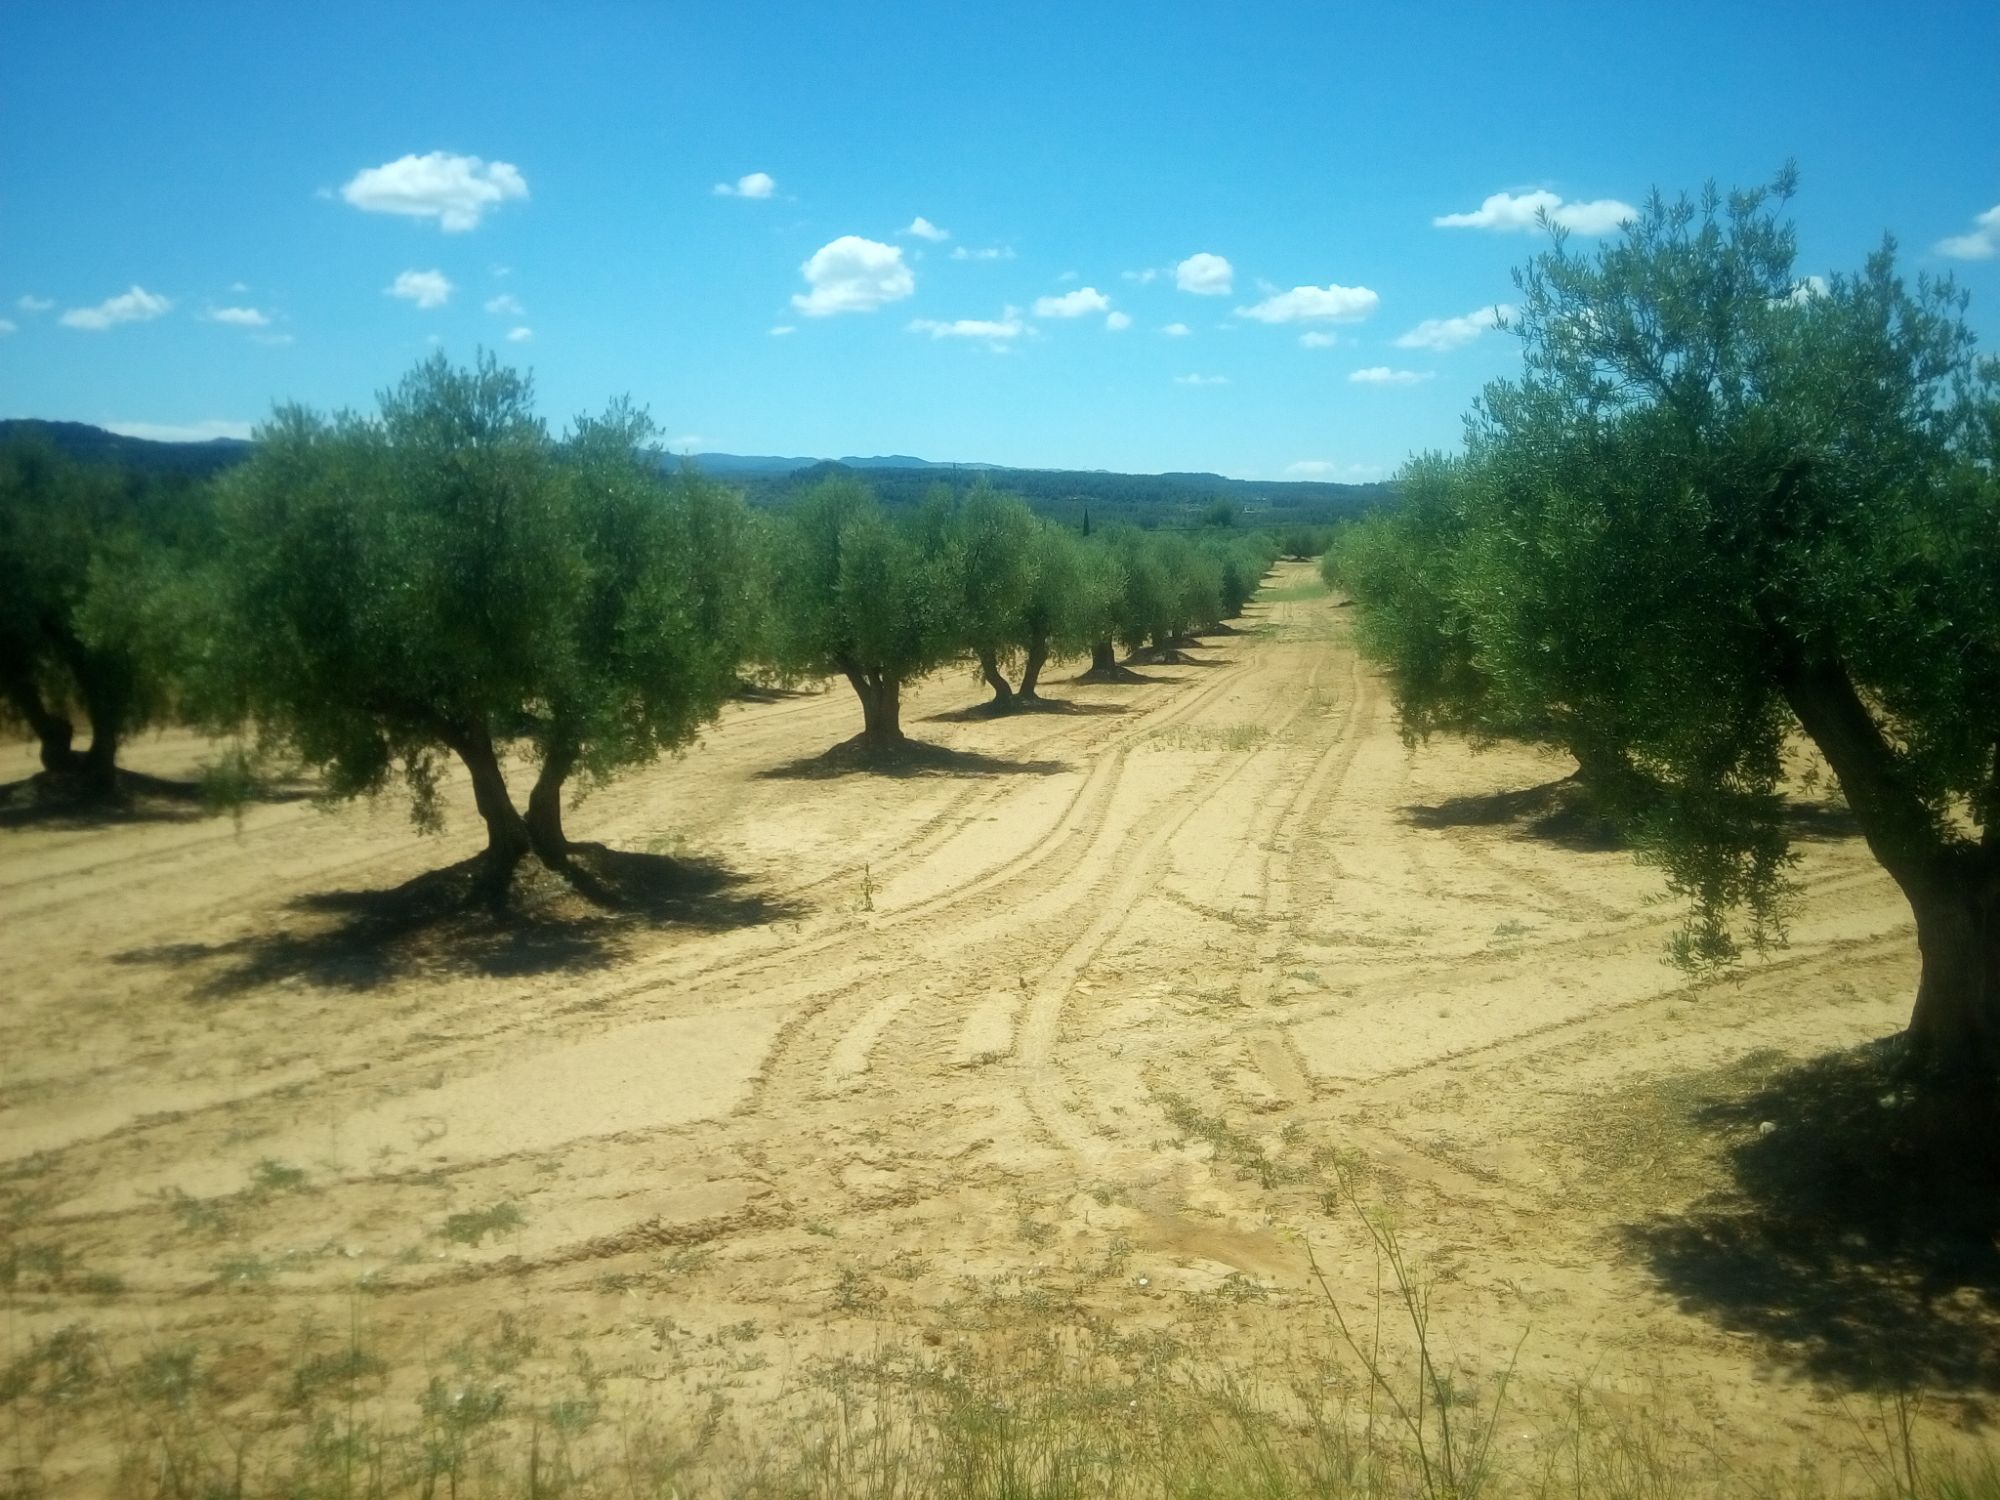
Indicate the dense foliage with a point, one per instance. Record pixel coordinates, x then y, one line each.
1724 506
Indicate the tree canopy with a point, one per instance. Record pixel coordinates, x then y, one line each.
1721 506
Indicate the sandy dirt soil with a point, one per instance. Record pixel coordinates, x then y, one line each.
1089 1013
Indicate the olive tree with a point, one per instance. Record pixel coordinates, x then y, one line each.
444 580
1721 506
87 553
859 594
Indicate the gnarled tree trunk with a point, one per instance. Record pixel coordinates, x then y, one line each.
544 820
507 840
881 708
1952 884
54 730
1031 673
989 668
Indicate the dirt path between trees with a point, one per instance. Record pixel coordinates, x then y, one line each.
1088 1021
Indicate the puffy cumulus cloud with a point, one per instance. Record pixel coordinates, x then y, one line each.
1205 275
1805 291
457 191
519 335
506 305
1177 330
1383 375
781 330
1201 380
1118 322
1982 244
1441 334
852 275
1079 303
240 317
1519 211
425 288
1314 304
136 306
989 252
181 432
749 185
35 304
1145 277
924 229
999 330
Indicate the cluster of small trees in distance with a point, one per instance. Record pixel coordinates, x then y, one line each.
1724 507
446 580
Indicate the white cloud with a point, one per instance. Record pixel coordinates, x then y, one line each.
1314 339
1449 333
1118 322
241 317
273 340
1205 275
851 274
1383 375
425 288
457 191
994 330
519 335
1982 244
1145 277
750 185
1177 330
687 442
506 304
180 432
135 306
924 229
1076 304
35 304
1067 277
1314 304
1806 290
6 327
782 329
990 252
1311 468
1518 211
1201 380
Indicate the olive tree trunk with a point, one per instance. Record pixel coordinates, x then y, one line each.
989 668
507 839
53 730
1952 885
881 708
1104 657
1031 673
544 820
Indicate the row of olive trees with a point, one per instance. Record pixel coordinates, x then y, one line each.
1722 511
445 580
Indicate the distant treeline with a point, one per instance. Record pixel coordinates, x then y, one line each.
1146 500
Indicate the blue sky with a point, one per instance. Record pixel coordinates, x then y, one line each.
209 208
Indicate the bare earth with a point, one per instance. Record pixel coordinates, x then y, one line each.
894 1044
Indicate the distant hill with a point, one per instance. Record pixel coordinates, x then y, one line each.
88 444
1149 499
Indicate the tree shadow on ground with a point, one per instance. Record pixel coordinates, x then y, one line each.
758 692
1172 656
982 712
1857 1239
49 800
911 758
1556 812
1120 676
441 925
1561 812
